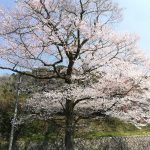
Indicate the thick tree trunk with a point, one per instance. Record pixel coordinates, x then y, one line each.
69 108
69 138
69 130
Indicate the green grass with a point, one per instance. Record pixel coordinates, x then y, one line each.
40 130
110 127
89 128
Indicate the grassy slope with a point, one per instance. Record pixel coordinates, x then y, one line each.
89 128
114 127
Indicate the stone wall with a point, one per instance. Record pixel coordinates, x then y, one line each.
101 143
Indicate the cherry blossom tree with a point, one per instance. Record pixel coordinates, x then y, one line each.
104 70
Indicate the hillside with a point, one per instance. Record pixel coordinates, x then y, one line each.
39 129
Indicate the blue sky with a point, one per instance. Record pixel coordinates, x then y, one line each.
136 19
7 3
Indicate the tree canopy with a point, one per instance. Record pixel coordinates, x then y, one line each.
112 73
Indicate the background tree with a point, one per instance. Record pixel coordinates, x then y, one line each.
103 68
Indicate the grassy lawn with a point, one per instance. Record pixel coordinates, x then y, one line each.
39 130
110 127
90 129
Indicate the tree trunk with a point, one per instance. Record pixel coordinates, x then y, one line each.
68 138
15 116
69 130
